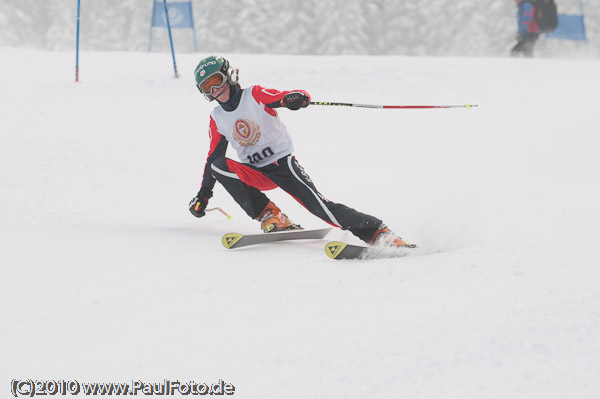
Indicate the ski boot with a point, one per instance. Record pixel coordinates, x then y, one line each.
384 237
272 219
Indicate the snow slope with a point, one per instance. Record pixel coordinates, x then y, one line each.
106 276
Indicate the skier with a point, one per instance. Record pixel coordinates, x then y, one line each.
528 29
247 119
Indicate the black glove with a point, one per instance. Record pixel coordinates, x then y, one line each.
294 101
199 202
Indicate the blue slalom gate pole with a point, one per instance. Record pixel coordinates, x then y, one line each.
583 20
152 25
193 29
77 45
171 39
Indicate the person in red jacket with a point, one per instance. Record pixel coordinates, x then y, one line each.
247 119
528 28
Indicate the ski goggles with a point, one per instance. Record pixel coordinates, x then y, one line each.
212 82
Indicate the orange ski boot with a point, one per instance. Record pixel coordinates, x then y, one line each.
272 219
384 237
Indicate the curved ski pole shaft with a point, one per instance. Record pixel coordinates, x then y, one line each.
469 106
229 217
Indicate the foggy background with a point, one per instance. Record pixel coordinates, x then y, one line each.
361 27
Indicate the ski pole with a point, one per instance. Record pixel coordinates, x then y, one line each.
229 217
469 106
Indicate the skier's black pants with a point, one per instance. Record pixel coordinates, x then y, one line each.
287 174
525 44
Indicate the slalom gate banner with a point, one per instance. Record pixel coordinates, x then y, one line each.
570 27
180 15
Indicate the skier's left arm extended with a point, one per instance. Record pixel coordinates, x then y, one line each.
218 148
291 99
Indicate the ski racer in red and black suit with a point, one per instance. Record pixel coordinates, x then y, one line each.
247 119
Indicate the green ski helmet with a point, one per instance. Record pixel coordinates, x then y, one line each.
212 73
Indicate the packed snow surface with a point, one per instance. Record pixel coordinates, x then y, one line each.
106 276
